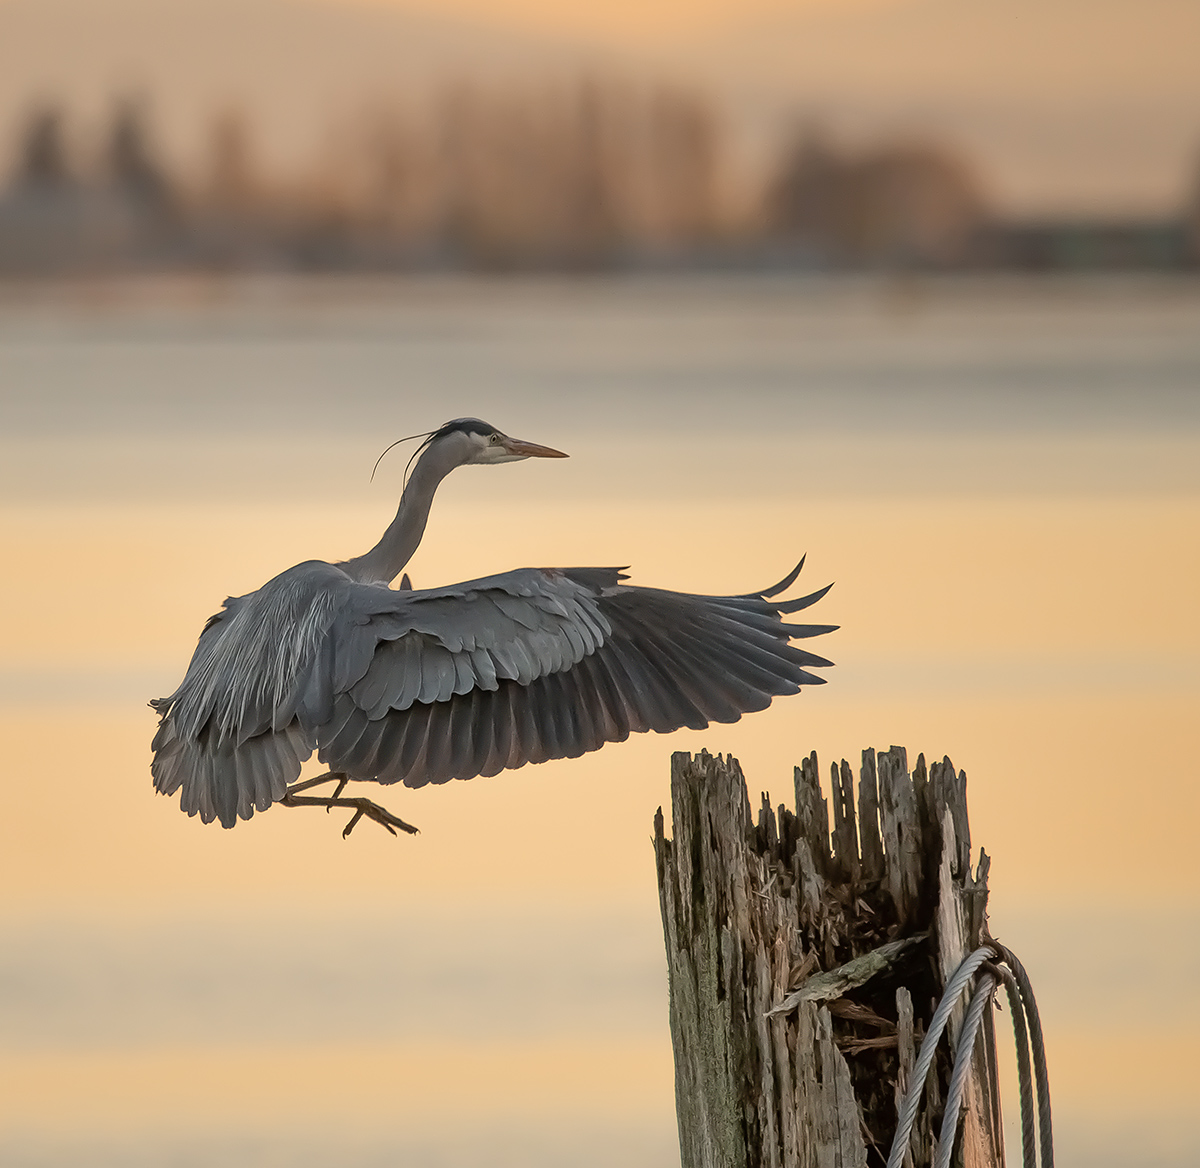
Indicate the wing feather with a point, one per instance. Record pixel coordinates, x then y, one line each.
499 715
440 748
349 750
412 746
726 695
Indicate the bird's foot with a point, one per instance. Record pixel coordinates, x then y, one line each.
361 807
380 815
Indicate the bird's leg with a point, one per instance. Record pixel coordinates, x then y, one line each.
327 777
361 807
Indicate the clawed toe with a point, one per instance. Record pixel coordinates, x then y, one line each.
380 815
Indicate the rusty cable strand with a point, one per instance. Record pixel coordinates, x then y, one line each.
1021 999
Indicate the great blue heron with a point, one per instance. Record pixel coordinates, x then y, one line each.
448 683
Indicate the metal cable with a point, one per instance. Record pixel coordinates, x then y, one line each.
984 989
1029 1140
1045 1124
1024 1007
912 1098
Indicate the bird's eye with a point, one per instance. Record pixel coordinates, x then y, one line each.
494 438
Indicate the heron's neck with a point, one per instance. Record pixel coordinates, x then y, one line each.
386 560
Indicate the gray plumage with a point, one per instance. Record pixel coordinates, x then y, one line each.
423 686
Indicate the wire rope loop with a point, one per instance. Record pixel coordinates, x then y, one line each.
1027 1033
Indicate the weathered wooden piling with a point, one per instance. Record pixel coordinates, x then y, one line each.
805 963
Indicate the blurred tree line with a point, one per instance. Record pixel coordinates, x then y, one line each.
578 175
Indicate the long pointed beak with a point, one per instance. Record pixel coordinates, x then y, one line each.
531 449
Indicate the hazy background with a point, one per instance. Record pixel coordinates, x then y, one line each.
999 469
1063 104
351 134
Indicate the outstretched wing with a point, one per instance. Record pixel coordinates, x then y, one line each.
613 660
426 686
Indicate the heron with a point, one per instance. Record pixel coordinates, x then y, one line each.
418 686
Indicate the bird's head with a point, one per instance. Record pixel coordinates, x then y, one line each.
476 443
468 442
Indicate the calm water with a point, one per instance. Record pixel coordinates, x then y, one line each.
1003 477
